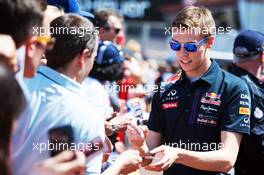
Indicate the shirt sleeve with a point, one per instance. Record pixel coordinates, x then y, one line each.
236 117
154 123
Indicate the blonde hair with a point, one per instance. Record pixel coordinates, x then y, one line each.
195 18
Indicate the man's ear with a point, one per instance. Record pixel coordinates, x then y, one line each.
262 62
85 54
29 70
102 30
211 41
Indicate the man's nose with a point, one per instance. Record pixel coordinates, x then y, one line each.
182 52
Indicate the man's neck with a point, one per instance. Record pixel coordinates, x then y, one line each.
103 38
72 75
252 68
201 70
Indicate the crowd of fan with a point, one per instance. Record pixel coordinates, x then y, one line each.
114 91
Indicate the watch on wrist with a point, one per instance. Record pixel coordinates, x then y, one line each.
113 128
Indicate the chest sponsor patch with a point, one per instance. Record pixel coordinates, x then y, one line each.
171 96
244 96
207 120
172 93
170 105
211 98
210 101
208 109
244 103
212 95
244 111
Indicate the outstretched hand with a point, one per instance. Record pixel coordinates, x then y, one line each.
136 134
130 161
65 163
170 155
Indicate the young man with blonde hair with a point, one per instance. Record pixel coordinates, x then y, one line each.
200 114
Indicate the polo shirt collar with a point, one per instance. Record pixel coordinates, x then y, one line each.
242 72
60 79
212 74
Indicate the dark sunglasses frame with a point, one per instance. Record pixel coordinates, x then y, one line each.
189 47
117 30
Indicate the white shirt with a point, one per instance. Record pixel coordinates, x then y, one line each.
56 100
95 93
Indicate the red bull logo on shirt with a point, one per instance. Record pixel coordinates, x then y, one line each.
212 95
211 98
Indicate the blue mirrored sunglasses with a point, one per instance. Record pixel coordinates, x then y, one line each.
189 47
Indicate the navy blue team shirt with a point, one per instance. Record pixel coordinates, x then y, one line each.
251 153
191 115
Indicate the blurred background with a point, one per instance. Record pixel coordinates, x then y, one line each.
145 22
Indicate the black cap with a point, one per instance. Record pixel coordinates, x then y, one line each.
248 44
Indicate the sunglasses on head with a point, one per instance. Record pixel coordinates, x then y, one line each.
47 41
189 47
